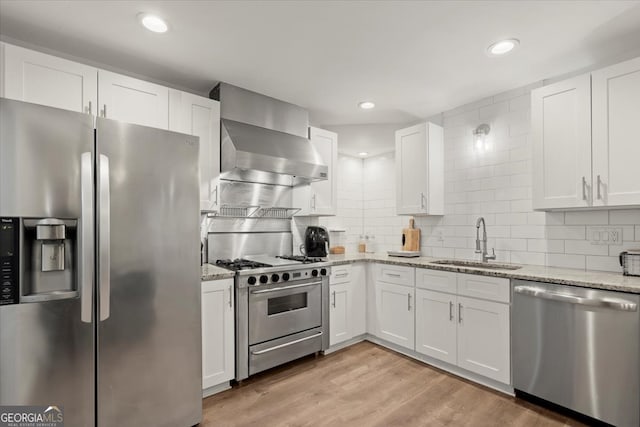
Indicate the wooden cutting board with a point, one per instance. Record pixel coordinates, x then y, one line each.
411 237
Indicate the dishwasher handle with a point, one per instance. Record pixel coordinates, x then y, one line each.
612 303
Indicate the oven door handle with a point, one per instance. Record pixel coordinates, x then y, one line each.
284 288
287 344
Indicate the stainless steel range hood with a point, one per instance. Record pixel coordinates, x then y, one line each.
265 140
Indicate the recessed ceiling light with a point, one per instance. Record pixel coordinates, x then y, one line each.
366 105
363 153
502 47
153 23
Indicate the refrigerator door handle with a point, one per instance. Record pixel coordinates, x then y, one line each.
104 236
87 261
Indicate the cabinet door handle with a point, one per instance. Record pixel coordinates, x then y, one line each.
215 191
459 313
421 200
408 302
230 296
90 108
334 299
584 188
451 311
104 110
598 181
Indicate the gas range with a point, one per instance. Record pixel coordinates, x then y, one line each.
259 270
282 310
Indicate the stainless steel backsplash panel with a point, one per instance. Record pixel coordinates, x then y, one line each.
235 193
238 245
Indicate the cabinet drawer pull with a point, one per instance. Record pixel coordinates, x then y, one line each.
342 275
393 274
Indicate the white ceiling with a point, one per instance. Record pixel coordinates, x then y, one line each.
414 59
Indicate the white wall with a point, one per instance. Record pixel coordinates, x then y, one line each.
495 184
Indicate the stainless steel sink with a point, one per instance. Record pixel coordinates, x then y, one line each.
475 264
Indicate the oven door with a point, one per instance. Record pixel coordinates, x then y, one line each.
278 310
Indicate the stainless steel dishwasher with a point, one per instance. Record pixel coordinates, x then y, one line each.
578 348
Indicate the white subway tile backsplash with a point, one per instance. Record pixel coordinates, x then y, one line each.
495 184
574 232
627 216
603 263
584 247
586 217
566 261
545 246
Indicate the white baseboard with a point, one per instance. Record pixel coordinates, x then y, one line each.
346 344
216 389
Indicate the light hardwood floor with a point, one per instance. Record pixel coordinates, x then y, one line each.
368 385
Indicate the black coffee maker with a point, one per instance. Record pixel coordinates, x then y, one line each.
316 242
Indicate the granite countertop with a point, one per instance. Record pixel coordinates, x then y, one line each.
564 276
211 272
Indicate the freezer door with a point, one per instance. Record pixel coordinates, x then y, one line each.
149 341
47 347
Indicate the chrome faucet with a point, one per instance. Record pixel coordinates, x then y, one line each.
485 255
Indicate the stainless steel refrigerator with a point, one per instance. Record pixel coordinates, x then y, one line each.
99 256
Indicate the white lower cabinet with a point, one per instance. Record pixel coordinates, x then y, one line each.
472 333
218 356
347 303
483 338
436 325
395 313
339 312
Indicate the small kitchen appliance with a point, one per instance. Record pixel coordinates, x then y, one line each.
316 242
630 262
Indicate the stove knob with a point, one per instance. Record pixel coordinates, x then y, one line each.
251 280
275 278
323 271
314 273
285 276
264 278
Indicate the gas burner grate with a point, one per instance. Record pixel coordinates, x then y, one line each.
301 258
240 264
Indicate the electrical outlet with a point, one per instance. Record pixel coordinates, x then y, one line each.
605 235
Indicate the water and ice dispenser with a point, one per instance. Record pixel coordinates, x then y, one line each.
38 259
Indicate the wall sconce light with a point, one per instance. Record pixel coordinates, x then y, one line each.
480 136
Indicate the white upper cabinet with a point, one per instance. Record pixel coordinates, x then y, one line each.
200 116
616 144
131 100
585 147
320 197
38 78
561 131
420 170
